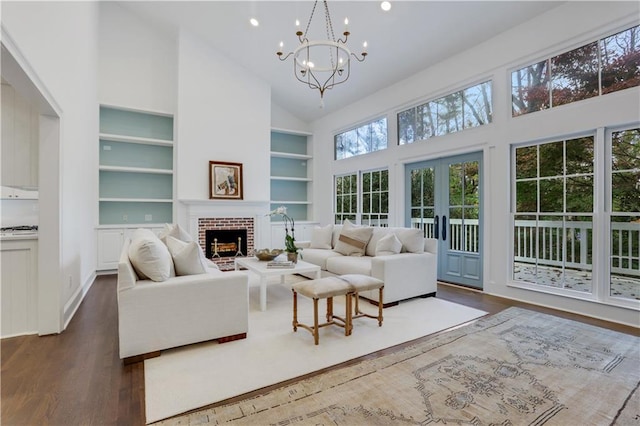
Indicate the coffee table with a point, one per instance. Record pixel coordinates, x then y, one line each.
260 267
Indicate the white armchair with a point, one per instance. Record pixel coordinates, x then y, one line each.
181 310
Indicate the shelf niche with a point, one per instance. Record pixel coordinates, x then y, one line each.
136 167
290 174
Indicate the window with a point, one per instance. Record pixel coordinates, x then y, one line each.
553 212
601 67
464 109
556 216
624 277
367 138
364 201
375 198
346 191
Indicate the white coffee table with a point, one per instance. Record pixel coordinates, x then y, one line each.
260 267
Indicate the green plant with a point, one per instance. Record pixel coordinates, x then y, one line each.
290 238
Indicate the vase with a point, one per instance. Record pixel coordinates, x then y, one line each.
292 257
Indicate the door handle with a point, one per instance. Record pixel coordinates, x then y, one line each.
444 228
436 227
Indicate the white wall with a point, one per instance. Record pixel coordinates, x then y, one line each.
283 119
225 115
567 26
137 64
59 42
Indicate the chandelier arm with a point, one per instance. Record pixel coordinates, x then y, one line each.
280 54
364 56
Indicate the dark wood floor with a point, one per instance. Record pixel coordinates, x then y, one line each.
77 378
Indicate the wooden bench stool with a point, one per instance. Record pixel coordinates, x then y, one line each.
360 283
323 288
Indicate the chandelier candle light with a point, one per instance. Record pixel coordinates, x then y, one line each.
325 63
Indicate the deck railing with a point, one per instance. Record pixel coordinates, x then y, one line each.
560 243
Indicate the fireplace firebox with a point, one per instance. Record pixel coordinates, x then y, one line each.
225 243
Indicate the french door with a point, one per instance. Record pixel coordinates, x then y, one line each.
443 197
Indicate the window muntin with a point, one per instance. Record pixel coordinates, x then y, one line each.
624 277
604 66
375 198
363 198
367 138
346 196
553 214
464 109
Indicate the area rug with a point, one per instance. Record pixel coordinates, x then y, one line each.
198 375
517 367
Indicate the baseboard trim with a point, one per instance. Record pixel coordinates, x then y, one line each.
71 307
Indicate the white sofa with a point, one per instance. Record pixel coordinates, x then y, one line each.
410 273
180 310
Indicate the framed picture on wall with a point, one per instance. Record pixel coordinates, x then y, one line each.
225 180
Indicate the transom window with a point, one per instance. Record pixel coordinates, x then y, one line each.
604 66
367 138
464 109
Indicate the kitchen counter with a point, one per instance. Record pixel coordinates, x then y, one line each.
16 237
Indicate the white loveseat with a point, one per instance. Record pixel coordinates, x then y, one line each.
408 270
180 310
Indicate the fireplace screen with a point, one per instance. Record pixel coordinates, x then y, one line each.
225 243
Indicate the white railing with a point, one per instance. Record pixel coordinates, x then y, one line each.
560 244
462 235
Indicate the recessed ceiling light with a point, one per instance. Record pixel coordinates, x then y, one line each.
254 22
385 5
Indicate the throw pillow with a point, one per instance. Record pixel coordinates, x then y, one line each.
389 244
378 233
149 256
411 238
176 231
186 257
321 237
353 239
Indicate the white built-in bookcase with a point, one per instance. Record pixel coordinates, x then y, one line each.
136 167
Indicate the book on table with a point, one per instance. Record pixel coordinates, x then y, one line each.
284 264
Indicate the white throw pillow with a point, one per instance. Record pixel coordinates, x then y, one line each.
149 256
378 233
176 231
389 244
321 237
353 239
186 257
411 238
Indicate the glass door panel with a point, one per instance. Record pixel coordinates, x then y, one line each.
444 199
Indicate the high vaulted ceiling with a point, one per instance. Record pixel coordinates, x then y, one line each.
410 37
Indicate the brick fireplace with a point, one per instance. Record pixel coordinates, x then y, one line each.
229 242
203 215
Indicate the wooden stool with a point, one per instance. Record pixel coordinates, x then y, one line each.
360 283
323 288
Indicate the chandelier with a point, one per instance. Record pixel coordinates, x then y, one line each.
325 63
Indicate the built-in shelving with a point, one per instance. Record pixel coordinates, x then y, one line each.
136 167
291 181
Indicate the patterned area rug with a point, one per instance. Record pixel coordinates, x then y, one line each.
517 367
